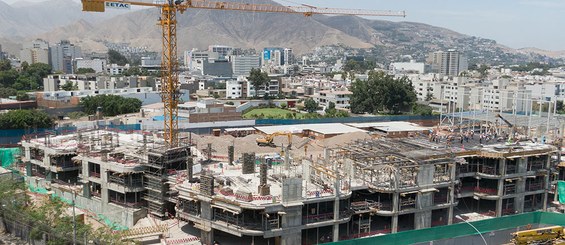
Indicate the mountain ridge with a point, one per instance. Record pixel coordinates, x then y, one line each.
199 28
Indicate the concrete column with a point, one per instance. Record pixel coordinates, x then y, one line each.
453 168
499 207
28 169
86 189
423 220
27 153
291 224
546 187
207 233
502 166
394 225
395 202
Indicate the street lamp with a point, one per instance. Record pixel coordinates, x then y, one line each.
459 217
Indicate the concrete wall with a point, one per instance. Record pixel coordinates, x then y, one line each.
117 214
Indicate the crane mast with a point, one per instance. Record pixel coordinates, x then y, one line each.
170 91
170 87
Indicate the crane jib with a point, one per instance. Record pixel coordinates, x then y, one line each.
117 5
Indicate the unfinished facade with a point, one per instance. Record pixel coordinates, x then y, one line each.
119 176
367 188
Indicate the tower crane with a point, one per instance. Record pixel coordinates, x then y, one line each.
170 87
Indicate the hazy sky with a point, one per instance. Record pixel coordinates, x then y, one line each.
515 23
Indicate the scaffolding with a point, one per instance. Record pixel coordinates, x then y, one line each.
160 165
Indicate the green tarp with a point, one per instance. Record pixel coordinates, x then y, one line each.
460 229
561 191
8 156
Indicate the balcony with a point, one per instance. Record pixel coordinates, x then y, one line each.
534 186
484 190
121 202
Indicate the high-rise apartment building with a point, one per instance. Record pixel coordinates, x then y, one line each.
450 63
242 65
288 56
223 51
273 56
36 51
2 54
62 56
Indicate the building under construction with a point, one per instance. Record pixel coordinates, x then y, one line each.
366 188
121 176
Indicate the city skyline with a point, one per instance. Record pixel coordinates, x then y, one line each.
516 24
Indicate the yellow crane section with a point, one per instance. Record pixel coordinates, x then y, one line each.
545 235
170 88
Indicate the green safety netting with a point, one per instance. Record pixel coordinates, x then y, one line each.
8 156
106 220
461 229
561 191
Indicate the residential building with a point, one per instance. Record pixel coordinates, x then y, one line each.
223 51
242 65
339 98
108 172
288 57
91 82
407 67
98 65
3 55
368 187
274 56
194 59
151 63
236 89
450 63
218 68
208 110
36 51
114 69
62 56
272 88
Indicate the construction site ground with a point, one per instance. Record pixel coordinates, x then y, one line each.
248 144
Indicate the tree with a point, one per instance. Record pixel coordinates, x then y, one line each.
136 71
7 92
257 78
69 86
22 96
429 96
8 77
310 105
23 119
382 93
76 115
5 65
114 57
422 110
85 70
111 105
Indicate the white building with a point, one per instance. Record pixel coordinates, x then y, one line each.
339 98
36 51
236 89
151 63
115 69
223 51
98 65
450 63
62 56
242 65
407 67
